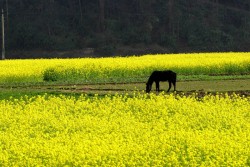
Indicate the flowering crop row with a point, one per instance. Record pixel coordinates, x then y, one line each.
140 130
122 68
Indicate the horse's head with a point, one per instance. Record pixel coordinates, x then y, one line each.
148 87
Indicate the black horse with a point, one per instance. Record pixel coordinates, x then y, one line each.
158 76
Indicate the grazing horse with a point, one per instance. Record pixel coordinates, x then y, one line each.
158 76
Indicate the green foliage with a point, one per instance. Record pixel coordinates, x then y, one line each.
51 74
64 25
104 75
106 50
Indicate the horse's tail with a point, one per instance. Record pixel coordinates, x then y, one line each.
174 80
174 77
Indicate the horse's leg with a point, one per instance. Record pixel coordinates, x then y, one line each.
157 86
174 83
169 87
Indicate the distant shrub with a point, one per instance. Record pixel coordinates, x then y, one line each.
50 74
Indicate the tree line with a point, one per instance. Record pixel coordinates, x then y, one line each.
106 25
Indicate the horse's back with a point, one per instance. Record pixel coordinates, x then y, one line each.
169 72
166 72
164 75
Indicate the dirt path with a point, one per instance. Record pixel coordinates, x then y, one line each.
240 86
215 86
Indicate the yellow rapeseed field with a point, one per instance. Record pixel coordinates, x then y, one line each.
124 130
120 68
137 130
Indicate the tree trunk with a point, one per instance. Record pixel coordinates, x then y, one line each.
171 17
80 6
101 26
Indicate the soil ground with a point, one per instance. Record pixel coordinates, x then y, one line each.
239 86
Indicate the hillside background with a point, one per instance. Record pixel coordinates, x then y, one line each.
73 28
